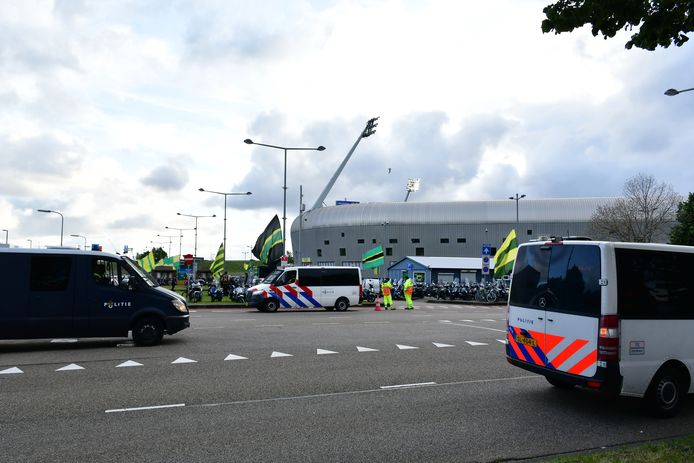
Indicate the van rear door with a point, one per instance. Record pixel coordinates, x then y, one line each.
555 305
51 296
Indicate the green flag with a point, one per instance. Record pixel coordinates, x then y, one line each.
269 246
506 256
372 258
217 266
147 262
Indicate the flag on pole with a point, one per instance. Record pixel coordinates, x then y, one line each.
217 266
506 255
147 262
372 258
173 262
269 246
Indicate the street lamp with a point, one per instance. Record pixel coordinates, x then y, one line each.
180 236
516 199
225 212
169 237
62 221
84 238
30 243
248 141
7 233
195 249
673 92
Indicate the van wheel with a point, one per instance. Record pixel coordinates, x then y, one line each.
341 304
665 395
559 383
271 305
148 331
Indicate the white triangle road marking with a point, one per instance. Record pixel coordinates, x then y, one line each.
445 321
473 343
324 352
438 344
366 349
10 371
129 363
183 360
280 354
403 347
502 341
72 366
469 321
487 320
235 357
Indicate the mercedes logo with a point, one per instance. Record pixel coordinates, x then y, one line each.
542 302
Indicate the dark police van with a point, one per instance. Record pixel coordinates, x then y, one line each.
66 293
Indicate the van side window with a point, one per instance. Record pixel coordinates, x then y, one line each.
655 284
111 273
286 278
50 273
310 277
341 277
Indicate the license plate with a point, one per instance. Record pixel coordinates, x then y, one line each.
530 342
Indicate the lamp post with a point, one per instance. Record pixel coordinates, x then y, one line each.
195 249
516 199
62 221
180 236
30 243
673 92
169 237
7 234
225 212
248 141
84 238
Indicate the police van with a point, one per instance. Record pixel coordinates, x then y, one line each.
66 293
614 317
307 287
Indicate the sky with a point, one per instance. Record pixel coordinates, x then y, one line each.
115 113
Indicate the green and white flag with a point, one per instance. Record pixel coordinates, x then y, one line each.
217 266
506 256
372 258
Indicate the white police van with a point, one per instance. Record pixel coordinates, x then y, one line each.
307 287
615 317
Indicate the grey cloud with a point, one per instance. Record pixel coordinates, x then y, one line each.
171 177
42 154
134 222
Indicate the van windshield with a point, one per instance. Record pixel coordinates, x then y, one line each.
562 278
272 277
146 277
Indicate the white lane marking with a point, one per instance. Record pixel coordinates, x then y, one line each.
473 343
280 354
366 349
11 371
129 363
445 321
438 344
502 341
327 323
403 347
325 352
137 409
469 321
487 320
376 323
396 386
268 326
63 341
235 357
193 311
478 327
183 360
72 366
364 391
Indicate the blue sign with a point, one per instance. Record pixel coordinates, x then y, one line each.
486 249
340 202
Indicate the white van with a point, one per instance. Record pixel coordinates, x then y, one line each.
307 287
615 317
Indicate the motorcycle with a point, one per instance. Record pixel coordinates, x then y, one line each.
195 292
215 293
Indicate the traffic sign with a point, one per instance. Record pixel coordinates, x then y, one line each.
283 261
486 249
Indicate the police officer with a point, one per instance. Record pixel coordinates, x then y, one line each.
408 288
387 287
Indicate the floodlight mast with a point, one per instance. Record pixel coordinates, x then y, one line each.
369 130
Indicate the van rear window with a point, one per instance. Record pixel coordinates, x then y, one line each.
50 273
561 278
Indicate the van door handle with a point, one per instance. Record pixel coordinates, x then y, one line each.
540 318
550 320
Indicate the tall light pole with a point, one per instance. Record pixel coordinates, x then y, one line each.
7 234
84 238
673 92
180 236
248 141
62 221
516 199
169 237
30 243
195 249
225 212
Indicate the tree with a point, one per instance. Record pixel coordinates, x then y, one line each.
659 22
643 215
683 231
159 254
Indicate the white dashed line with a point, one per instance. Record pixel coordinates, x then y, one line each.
137 409
396 386
327 323
376 323
268 326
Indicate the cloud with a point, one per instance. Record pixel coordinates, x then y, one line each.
170 177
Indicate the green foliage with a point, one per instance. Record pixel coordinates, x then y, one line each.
659 22
670 451
683 231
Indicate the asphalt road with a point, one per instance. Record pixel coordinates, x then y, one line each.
239 385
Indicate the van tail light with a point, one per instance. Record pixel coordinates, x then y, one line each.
360 293
608 339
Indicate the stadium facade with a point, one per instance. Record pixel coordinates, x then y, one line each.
339 235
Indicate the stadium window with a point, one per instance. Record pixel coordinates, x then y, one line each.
444 240
342 234
343 252
393 240
373 241
389 251
326 242
419 251
529 232
415 240
462 240
319 252
360 241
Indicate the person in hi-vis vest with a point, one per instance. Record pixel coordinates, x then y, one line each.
409 289
387 287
